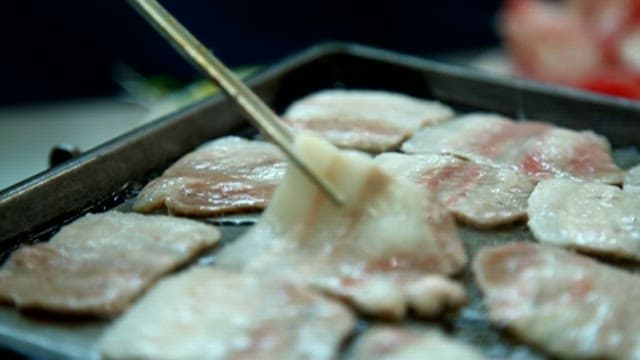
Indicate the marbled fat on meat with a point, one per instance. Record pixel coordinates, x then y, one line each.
567 304
367 120
588 216
469 135
100 263
480 194
388 249
536 149
228 175
208 313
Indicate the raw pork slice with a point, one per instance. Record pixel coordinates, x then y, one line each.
472 135
368 120
480 194
228 175
207 313
548 41
536 149
591 217
567 304
395 343
632 179
591 44
387 249
100 263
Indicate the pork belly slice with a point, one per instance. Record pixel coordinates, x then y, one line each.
397 343
567 304
367 120
387 250
483 135
229 175
100 263
536 149
480 194
208 313
588 216
632 179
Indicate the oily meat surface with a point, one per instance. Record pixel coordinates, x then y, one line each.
100 263
387 342
567 304
480 134
208 313
591 217
480 194
367 120
388 249
535 149
229 175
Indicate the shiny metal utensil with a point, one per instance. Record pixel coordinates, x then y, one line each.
260 115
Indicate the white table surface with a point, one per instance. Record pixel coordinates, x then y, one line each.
28 132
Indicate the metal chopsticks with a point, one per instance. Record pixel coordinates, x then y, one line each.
260 115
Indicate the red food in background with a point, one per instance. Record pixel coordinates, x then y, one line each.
591 44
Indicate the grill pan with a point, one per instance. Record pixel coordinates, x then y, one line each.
111 174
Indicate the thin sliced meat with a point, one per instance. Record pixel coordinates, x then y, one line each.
568 153
386 250
536 149
472 135
632 179
591 217
229 175
384 342
367 120
207 313
480 194
100 263
567 304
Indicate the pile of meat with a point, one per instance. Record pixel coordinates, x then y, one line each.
591 44
293 284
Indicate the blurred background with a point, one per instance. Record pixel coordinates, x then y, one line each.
82 72
57 50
